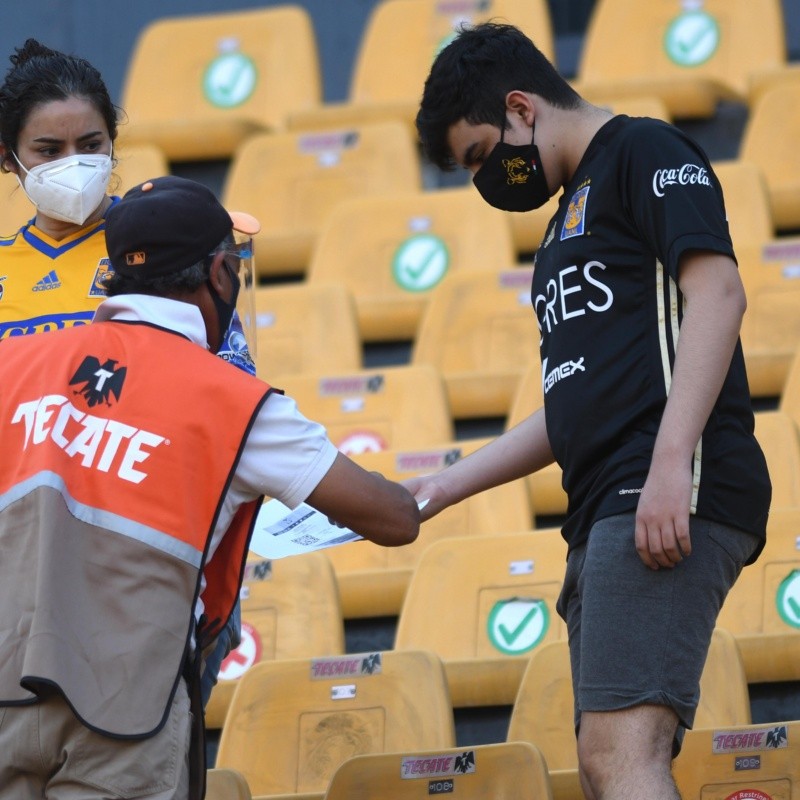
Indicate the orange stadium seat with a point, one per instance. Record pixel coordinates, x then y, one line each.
479 330
292 723
398 407
373 579
770 141
226 784
502 588
307 174
398 45
691 55
390 251
753 762
502 771
290 609
305 328
198 85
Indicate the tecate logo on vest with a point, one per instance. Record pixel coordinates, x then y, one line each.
101 443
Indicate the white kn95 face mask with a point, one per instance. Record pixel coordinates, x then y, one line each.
68 189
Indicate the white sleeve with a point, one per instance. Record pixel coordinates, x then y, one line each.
285 456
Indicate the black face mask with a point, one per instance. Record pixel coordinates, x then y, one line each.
225 310
512 177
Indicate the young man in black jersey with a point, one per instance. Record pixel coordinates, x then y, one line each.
647 407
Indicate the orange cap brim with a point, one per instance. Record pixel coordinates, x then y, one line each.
245 223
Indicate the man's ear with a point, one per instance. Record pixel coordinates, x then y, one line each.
521 104
215 272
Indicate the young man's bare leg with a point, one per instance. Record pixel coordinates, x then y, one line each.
627 754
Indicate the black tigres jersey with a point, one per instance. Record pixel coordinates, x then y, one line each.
606 297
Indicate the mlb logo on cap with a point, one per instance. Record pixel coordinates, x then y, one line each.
134 259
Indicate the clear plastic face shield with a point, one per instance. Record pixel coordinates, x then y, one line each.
239 345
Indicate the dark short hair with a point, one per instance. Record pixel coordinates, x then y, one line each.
40 75
471 77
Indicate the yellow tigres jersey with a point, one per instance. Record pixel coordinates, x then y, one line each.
46 284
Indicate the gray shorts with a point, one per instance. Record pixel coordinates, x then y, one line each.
639 636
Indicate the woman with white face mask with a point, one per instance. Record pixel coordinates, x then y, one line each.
57 129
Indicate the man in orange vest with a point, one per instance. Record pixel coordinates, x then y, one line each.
134 462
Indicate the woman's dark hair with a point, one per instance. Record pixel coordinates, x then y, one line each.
471 77
39 75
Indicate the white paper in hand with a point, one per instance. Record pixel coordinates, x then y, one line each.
281 532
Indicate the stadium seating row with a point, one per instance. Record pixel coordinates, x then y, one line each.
485 604
293 725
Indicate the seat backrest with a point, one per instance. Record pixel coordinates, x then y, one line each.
308 174
290 609
762 610
504 771
479 330
773 127
373 579
226 784
136 163
292 723
777 435
747 202
392 250
199 73
790 396
398 407
543 712
402 37
501 587
753 762
305 328
724 40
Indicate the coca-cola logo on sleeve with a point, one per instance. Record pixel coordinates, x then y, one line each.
687 175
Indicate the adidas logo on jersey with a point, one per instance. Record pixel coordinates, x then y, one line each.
50 281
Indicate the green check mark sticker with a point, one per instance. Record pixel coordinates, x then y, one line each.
788 599
420 262
518 624
229 80
692 38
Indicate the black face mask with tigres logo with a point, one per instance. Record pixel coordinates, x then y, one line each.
512 177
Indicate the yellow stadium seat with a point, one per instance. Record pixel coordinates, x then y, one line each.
291 181
769 140
373 579
484 604
305 328
543 710
761 80
134 165
777 435
292 723
503 771
399 43
479 330
398 407
546 492
762 609
198 85
771 326
290 609
391 251
753 762
689 55
790 393
746 202
226 784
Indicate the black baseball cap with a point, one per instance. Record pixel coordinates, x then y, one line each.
167 224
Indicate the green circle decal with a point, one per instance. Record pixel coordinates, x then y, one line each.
229 80
420 262
517 625
788 599
443 43
692 38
